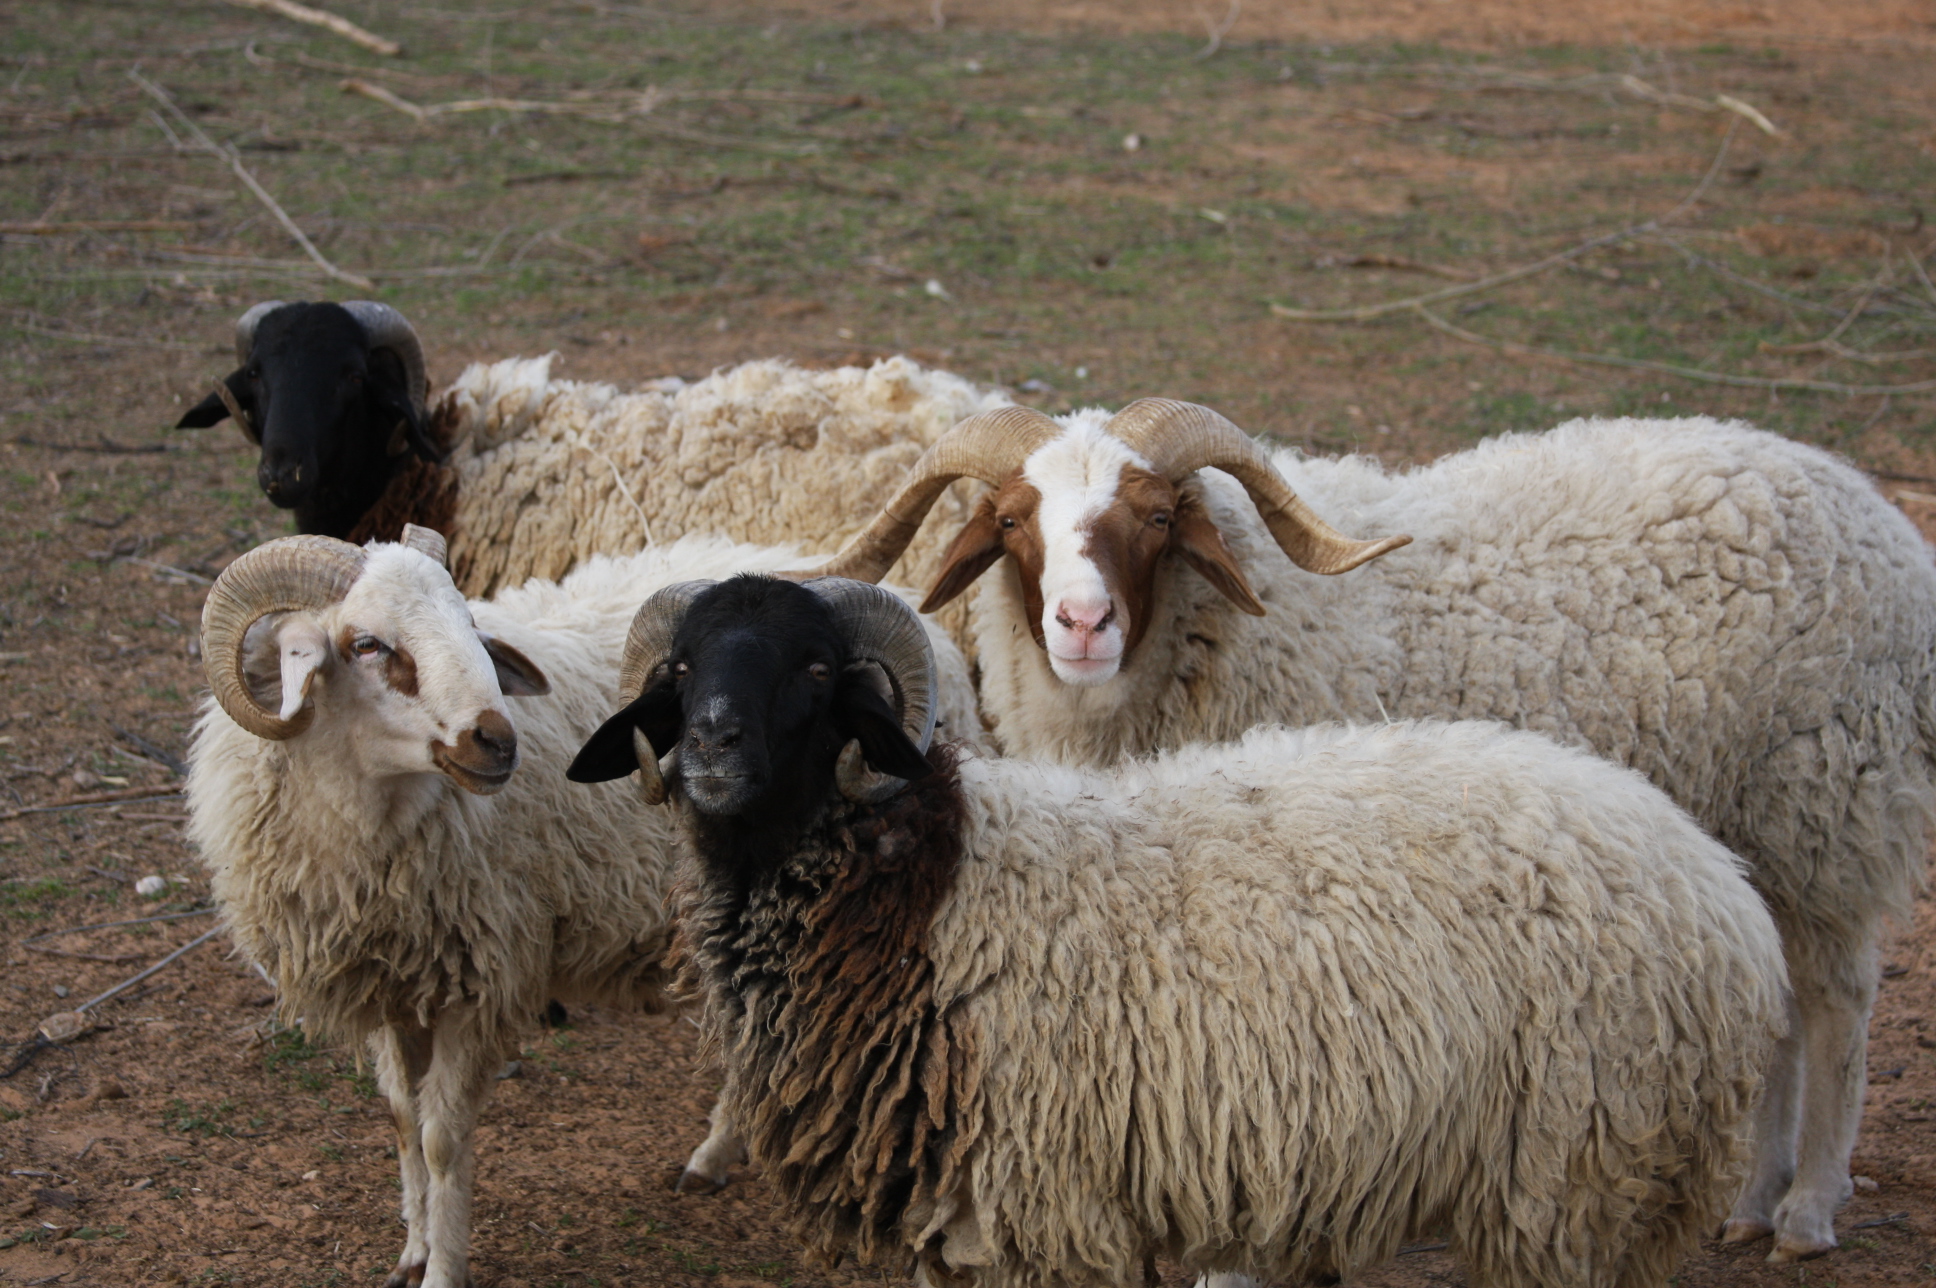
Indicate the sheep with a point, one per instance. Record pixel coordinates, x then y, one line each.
1739 617
355 790
333 394
528 476
1270 1007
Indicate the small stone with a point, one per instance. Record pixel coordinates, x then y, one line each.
110 1091
150 886
1863 1185
515 1069
64 1026
86 779
312 1174
146 1182
61 990
1132 142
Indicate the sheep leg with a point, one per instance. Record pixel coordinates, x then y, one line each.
1834 1015
402 1058
449 1101
1777 1125
707 1168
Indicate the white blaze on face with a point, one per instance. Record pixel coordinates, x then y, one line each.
1082 615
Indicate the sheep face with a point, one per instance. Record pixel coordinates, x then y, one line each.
399 676
1086 522
758 698
332 413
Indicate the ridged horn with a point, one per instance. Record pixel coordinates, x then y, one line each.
879 628
426 541
646 645
283 576
245 328
989 446
1179 438
389 329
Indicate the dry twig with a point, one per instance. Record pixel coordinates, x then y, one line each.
329 21
1668 368
95 798
1218 30
206 144
136 978
97 226
111 925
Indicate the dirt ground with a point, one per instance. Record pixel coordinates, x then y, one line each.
187 1139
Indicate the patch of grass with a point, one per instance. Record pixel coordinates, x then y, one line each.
27 900
191 1121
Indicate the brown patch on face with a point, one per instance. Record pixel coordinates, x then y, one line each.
483 757
400 672
1001 524
1125 541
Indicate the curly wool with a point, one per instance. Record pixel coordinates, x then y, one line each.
1738 616
1273 1007
550 472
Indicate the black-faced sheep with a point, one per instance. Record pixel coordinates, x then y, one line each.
395 844
1270 1007
1740 617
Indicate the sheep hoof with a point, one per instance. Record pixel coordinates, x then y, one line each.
1746 1229
691 1182
1794 1248
405 1276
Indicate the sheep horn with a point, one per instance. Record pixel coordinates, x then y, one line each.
1179 438
882 630
651 774
283 576
989 446
650 638
389 329
245 328
426 541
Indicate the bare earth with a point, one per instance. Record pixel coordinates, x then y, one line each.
186 1140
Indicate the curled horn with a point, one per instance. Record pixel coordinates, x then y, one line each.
879 628
282 576
646 647
1179 438
989 446
389 329
245 328
426 541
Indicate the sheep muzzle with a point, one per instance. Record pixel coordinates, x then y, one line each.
483 757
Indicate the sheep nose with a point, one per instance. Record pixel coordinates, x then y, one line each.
1085 618
278 481
494 739
711 731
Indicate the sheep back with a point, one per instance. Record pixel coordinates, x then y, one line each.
1272 1007
763 452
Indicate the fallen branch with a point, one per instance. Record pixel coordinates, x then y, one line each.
165 793
1366 312
136 978
90 957
110 925
329 21
98 226
1894 1218
170 569
1218 30
208 145
385 97
1669 369
98 798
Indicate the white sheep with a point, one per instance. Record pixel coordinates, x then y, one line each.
1271 1007
1740 617
396 846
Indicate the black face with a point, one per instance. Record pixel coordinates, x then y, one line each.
756 697
326 409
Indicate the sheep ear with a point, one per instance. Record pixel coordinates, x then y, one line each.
517 675
610 753
304 651
1199 540
973 551
861 713
214 409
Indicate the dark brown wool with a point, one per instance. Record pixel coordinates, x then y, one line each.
855 1090
421 493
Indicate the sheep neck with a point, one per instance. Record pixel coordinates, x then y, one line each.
819 980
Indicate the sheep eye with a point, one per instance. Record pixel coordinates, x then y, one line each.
1007 523
366 645
1159 520
820 671
680 670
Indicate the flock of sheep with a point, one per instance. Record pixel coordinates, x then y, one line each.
1180 892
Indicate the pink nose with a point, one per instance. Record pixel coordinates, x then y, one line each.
1084 618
